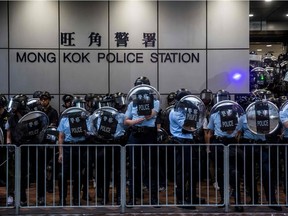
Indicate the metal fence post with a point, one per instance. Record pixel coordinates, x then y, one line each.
123 178
17 178
226 178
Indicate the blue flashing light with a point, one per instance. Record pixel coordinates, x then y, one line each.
237 76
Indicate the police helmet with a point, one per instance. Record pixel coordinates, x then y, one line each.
18 102
171 98
96 102
221 95
45 95
89 97
78 102
142 80
108 100
180 93
3 101
119 98
206 95
67 98
37 94
261 94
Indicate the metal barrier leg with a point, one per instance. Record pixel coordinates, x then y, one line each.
17 179
123 178
226 178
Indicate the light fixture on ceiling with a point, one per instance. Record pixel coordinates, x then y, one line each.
259 50
251 15
268 45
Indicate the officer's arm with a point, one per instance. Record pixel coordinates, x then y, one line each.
130 122
61 137
285 124
8 139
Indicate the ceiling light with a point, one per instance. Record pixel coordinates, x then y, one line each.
268 45
251 15
268 0
259 50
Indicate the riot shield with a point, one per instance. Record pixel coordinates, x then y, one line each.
51 135
143 97
33 103
193 108
104 122
229 112
77 120
262 117
259 78
33 125
162 136
165 118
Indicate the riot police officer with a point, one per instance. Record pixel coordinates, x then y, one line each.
225 124
72 129
108 127
141 116
23 133
3 156
67 101
182 118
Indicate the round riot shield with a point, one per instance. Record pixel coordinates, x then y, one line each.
193 108
51 135
162 136
71 110
228 105
1 137
33 103
77 117
104 122
259 78
34 124
229 113
165 118
143 97
262 117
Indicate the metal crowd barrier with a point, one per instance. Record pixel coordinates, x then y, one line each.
158 175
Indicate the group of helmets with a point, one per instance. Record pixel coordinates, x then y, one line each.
206 95
93 101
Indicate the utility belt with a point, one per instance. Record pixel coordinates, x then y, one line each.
74 142
143 129
244 140
225 140
179 140
118 140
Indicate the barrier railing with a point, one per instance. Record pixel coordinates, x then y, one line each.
158 175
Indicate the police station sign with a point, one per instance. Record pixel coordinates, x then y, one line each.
95 39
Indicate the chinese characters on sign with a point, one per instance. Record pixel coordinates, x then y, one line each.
121 38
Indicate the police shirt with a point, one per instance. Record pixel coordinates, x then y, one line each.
132 113
176 120
215 125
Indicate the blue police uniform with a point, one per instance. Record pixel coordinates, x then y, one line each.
76 153
106 162
144 133
225 133
183 160
252 157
